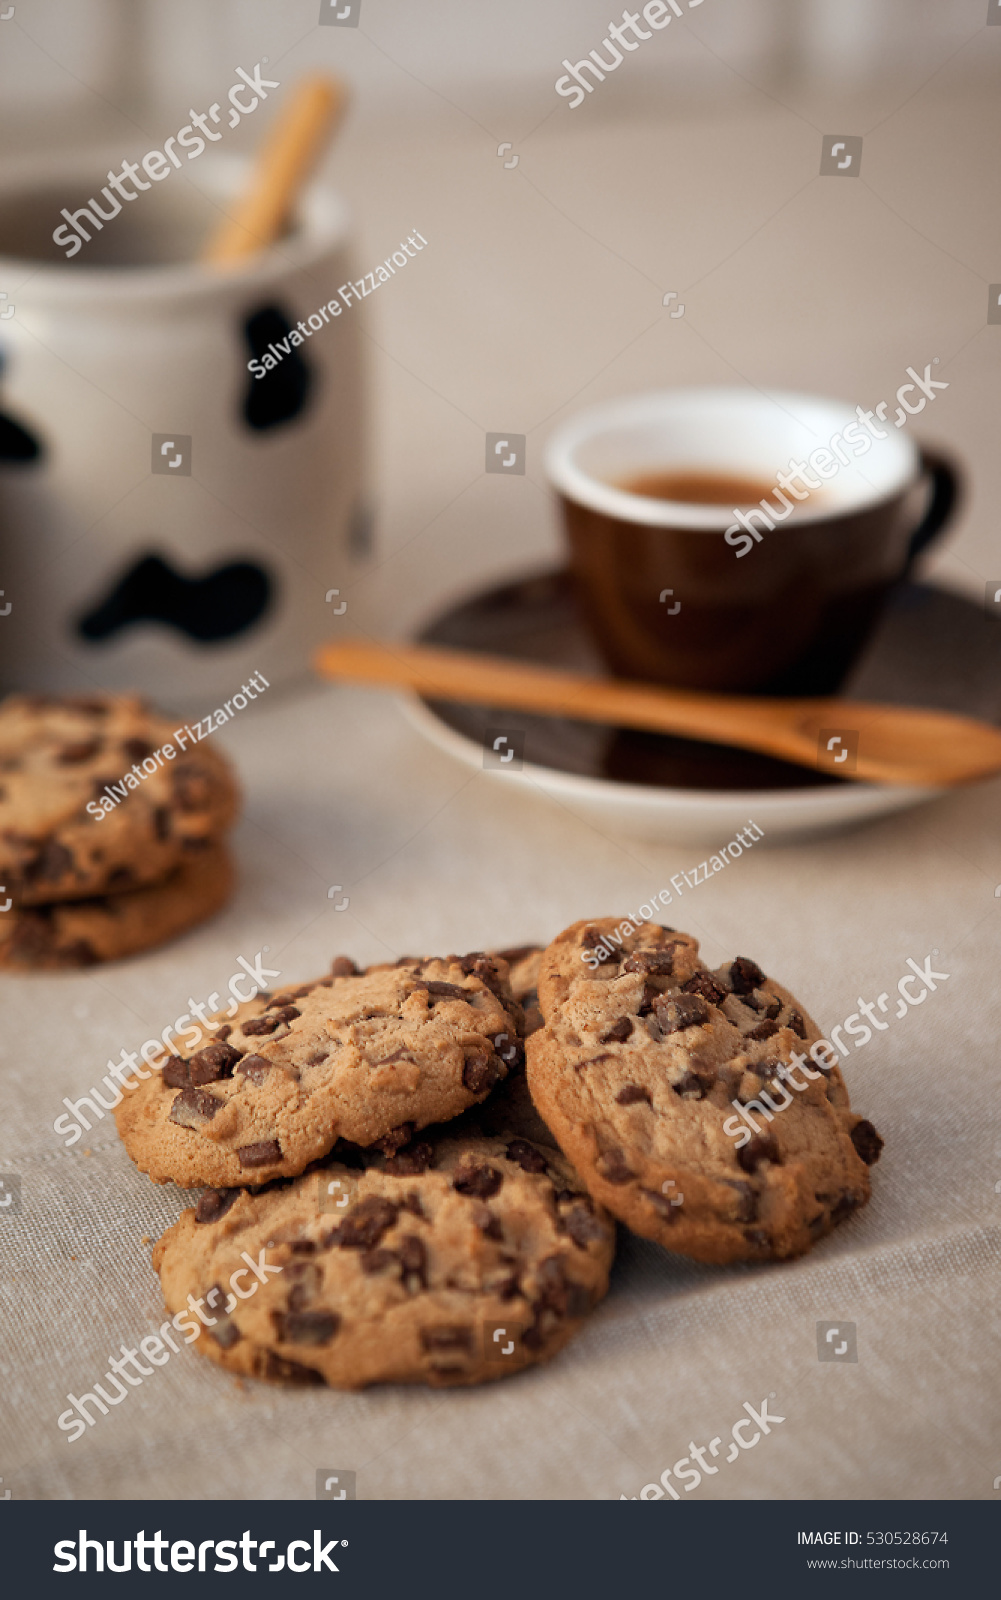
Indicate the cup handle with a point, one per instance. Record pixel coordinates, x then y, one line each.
946 487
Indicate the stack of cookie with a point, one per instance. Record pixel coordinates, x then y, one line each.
393 1199
111 825
396 1239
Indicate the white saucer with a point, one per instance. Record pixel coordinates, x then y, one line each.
932 648
682 816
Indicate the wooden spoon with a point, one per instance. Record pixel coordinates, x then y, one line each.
896 744
285 160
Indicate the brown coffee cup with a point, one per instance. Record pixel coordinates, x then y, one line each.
714 589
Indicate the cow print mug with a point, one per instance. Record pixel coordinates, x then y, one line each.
170 522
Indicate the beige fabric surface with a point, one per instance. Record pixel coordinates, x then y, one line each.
677 1348
540 290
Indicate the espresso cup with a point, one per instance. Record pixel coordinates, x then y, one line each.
775 596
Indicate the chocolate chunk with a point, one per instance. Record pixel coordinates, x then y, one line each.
510 1049
255 1025
446 991
747 1200
631 1094
255 1069
408 1163
590 938
224 1331
762 1147
413 1261
482 1069
583 1228
214 1203
447 1338
612 1166
175 1073
52 861
690 1087
268 1365
867 1142
343 967
412 1203
307 1327
286 1013
365 1224
526 1155
72 754
764 1030
705 984
653 963
137 749
651 995
551 1279
687 1011
193 1107
376 1261
765 1004
478 1181
395 1139
479 964
264 1154
304 1279
796 1023
191 786
215 1061
745 975
619 1031
759 1238
488 1223
303 1247
662 1205
161 823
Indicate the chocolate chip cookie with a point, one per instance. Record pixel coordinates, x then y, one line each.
688 1099
81 933
479 1260
92 802
368 1057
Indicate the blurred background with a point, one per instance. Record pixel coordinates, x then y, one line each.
693 169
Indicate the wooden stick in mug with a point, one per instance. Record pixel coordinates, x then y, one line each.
289 154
